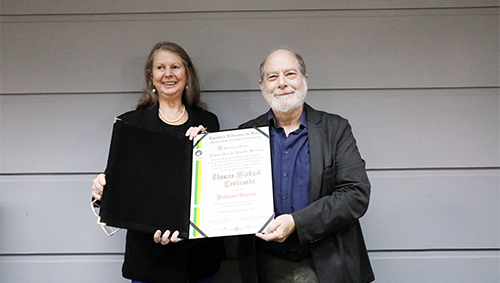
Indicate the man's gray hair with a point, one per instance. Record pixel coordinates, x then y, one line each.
302 64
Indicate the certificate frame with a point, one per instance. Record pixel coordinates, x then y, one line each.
153 179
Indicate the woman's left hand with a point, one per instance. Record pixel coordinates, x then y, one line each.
166 238
192 132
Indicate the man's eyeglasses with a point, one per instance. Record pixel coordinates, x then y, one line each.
110 231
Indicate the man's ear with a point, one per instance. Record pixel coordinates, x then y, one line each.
261 85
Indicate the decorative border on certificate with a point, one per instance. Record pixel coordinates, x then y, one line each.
231 188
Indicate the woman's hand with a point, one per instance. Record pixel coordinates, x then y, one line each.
166 238
98 186
192 132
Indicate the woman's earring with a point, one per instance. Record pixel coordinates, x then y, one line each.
154 89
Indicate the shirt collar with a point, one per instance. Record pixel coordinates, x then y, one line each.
271 119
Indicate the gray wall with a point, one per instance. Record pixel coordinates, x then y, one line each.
419 82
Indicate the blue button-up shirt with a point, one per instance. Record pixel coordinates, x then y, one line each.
291 166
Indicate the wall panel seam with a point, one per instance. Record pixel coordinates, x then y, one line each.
368 170
434 250
252 11
370 251
58 254
254 90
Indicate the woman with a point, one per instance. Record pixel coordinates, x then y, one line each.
170 102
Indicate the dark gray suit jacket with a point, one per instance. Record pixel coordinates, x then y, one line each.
340 192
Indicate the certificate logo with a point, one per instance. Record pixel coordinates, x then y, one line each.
198 153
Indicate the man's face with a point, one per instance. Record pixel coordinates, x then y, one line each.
283 86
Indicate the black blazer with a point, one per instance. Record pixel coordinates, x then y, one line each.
150 262
339 196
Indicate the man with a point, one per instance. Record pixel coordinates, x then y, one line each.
320 188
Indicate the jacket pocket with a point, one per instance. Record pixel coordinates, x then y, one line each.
328 184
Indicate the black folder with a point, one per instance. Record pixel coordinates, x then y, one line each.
148 180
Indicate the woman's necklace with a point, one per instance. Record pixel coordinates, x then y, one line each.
171 121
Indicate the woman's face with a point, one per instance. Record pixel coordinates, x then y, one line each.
169 76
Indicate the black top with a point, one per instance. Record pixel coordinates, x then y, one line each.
194 259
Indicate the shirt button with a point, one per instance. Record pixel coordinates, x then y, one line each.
286 174
285 198
286 152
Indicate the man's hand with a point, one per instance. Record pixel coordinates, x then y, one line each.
279 229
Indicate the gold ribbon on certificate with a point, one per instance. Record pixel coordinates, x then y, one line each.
231 189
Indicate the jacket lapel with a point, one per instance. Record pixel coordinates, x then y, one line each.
315 130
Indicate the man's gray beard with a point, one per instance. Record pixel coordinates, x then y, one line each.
288 103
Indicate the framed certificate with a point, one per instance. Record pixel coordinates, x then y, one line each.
218 185
231 187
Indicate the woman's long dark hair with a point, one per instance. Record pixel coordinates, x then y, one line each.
190 95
